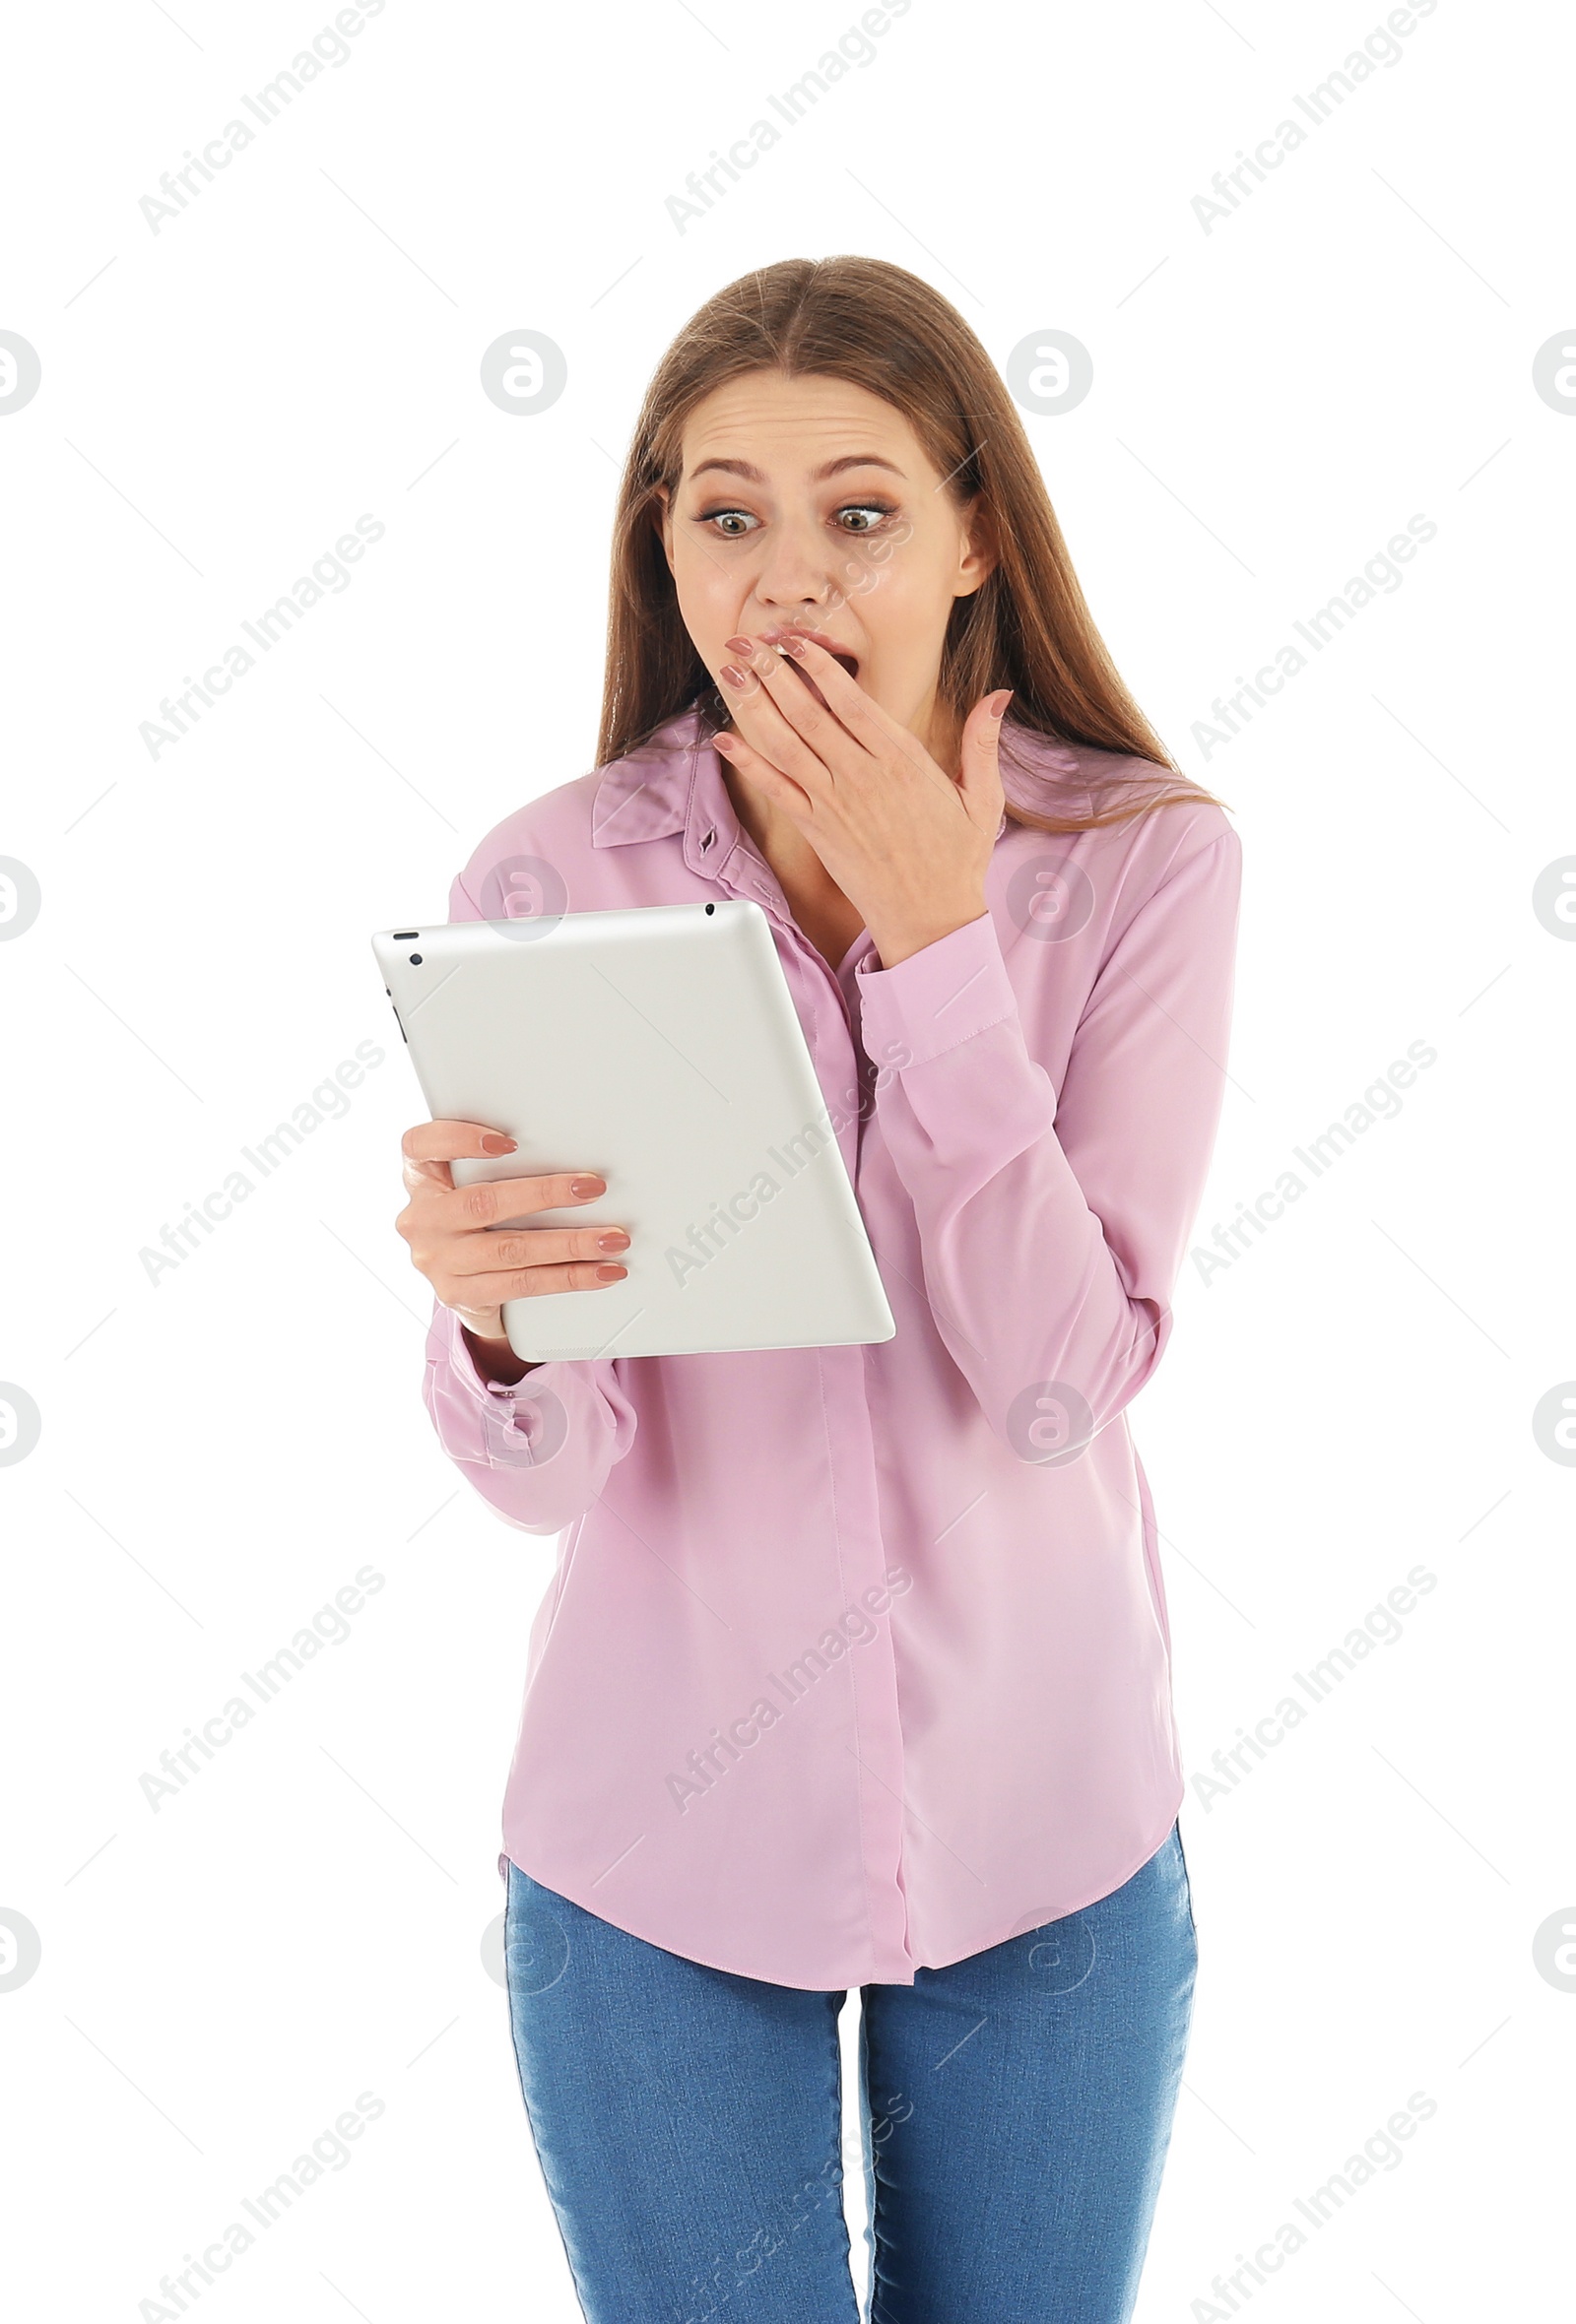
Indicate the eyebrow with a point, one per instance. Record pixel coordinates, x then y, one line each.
753 476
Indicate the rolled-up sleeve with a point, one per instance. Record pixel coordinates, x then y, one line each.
539 1451
1053 1223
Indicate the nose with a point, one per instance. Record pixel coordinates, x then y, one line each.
799 574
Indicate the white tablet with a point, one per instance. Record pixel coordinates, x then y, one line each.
660 1048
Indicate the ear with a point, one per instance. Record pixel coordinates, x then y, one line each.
664 524
978 557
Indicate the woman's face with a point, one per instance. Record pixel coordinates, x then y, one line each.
810 503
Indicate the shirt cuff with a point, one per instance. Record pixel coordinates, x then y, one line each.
938 996
524 1421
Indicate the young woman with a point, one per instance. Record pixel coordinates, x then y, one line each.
855 1666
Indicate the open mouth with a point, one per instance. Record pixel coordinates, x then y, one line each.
839 654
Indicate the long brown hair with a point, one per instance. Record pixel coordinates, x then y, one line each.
1027 627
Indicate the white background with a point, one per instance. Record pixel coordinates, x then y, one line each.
1273 399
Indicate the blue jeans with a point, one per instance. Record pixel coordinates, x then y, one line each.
1016 2108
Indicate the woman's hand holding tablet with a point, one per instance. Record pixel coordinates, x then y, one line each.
473 1267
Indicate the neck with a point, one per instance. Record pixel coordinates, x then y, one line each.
778 837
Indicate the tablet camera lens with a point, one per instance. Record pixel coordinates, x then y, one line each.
711 907
415 959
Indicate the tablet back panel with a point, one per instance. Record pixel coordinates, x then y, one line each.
659 1047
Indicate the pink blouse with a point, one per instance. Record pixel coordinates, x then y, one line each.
856 1659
